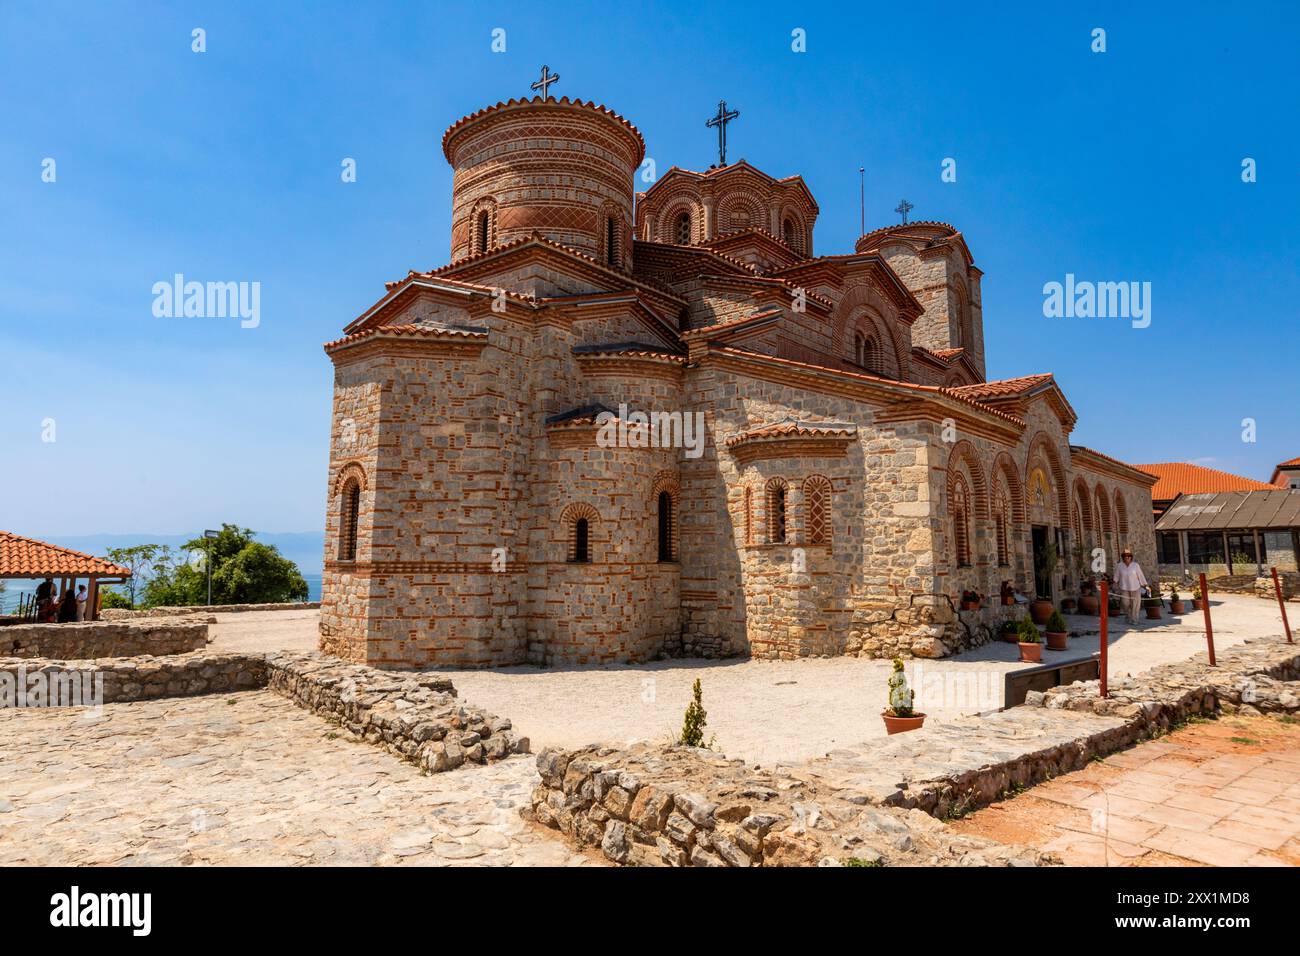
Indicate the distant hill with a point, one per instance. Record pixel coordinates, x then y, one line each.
303 548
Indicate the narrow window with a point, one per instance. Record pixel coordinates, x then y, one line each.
776 511
749 515
348 520
787 231
858 349
817 502
960 502
684 229
611 241
666 527
483 225
581 542
869 355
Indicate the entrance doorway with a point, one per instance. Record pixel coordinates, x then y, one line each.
1042 580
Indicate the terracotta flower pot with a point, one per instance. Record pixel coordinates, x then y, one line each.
897 725
1008 601
1040 611
1198 604
1068 606
1153 612
970 605
1031 653
1009 636
1176 607
1089 604
1057 641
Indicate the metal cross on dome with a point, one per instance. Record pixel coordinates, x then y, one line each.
720 121
544 83
904 207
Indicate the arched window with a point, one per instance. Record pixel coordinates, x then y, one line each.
348 518
870 354
666 550
787 232
484 227
611 240
684 229
1001 509
776 489
581 541
817 505
749 515
960 506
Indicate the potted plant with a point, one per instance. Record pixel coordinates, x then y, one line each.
970 600
1008 631
1089 603
1152 604
1058 635
1116 604
1175 602
1068 605
1040 609
1030 641
1198 602
1007 593
899 716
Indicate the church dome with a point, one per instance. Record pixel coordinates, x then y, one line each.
562 168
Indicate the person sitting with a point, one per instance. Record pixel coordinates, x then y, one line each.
68 607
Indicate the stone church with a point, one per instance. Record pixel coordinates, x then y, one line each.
858 472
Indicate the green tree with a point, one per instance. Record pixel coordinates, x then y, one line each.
695 719
135 559
244 571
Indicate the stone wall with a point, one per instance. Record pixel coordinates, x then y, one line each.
413 715
679 806
882 800
95 639
141 678
123 614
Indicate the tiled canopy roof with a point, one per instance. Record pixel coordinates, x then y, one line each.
27 557
1002 387
1183 478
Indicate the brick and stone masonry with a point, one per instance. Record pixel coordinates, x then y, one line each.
857 471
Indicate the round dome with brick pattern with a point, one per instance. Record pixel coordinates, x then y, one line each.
561 168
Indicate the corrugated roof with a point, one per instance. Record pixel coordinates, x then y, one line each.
1233 509
27 557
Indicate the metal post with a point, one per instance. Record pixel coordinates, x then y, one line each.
1277 587
1105 618
1209 626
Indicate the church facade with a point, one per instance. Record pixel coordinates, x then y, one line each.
515 477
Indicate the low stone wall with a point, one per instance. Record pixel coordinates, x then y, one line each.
122 614
678 806
138 678
99 639
411 714
1289 581
686 805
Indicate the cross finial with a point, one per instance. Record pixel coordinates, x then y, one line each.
904 207
544 83
720 121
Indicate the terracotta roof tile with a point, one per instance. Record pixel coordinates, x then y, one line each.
21 557
409 331
537 101
1183 478
791 426
1000 388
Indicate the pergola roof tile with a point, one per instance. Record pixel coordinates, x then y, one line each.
28 558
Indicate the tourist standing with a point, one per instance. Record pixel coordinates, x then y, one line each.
1129 582
68 607
82 597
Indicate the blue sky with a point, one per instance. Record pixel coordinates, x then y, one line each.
225 166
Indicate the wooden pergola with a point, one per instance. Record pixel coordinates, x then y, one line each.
28 559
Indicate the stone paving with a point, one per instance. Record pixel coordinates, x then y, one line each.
1216 793
246 779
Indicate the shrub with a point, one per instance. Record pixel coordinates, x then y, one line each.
1027 631
695 719
1056 624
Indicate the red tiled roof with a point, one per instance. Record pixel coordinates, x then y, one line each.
1001 387
27 557
1289 464
790 426
537 102
410 331
1183 478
